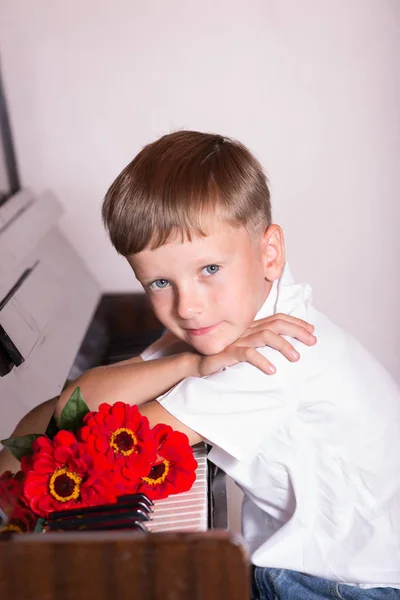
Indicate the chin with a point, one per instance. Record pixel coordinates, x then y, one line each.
209 347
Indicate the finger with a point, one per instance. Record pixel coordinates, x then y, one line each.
282 317
251 356
283 327
294 320
272 340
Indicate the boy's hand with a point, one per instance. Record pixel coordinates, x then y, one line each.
265 332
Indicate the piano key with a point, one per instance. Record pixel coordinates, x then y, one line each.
102 519
134 497
187 511
99 509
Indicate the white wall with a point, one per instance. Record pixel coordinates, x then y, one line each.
311 86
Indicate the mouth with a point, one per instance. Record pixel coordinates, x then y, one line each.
201 330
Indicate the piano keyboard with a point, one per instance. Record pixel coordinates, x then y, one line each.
186 511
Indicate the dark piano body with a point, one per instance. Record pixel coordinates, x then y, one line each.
122 327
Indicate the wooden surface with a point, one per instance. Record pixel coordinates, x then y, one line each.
127 313
122 566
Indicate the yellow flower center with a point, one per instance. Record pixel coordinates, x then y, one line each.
123 441
65 485
158 473
11 527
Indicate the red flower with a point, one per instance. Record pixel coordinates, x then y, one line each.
10 491
174 469
61 475
122 436
22 520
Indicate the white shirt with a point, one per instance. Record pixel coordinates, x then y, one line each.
315 448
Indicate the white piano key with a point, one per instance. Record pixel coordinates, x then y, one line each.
187 511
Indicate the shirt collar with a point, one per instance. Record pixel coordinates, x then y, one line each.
269 306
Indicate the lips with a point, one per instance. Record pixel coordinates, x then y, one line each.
202 330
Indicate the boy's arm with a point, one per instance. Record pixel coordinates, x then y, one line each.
133 381
136 381
36 421
108 384
158 414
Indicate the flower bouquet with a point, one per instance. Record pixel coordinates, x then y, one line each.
92 462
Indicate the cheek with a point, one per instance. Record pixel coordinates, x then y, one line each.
242 299
232 306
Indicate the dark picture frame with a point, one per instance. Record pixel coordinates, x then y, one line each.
9 176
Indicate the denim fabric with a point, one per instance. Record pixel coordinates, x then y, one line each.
281 584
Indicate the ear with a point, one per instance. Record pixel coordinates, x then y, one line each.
273 244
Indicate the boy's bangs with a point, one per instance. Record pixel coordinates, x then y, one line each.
176 211
186 221
177 185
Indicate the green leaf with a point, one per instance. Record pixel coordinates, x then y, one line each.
73 412
40 523
20 446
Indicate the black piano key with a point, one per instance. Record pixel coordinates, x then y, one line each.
97 510
129 497
100 520
123 502
104 527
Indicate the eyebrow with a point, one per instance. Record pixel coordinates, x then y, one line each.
207 260
146 278
202 261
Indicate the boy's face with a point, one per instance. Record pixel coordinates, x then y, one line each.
207 291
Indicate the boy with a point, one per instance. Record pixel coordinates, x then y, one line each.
315 447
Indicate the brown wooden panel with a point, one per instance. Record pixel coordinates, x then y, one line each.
122 566
125 313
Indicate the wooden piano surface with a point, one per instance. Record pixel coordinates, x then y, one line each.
124 565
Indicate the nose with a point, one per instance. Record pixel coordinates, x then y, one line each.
188 305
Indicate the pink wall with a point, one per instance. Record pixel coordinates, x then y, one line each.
312 87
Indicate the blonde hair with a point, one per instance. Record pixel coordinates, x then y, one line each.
174 183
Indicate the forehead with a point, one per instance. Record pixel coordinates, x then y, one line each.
221 242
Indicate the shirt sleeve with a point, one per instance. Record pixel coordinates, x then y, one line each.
235 409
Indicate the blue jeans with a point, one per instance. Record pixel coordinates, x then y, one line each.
280 584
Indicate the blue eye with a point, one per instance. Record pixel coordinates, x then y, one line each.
210 269
159 284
